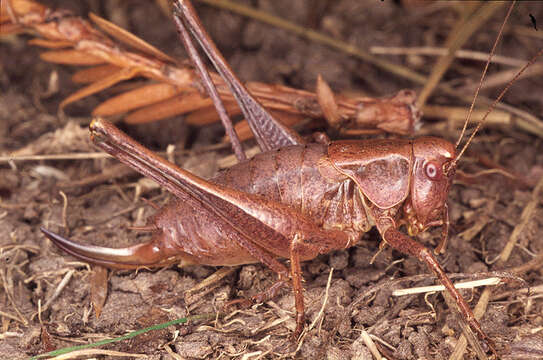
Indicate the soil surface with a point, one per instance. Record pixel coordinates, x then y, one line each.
46 297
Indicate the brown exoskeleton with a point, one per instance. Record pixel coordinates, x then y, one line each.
295 200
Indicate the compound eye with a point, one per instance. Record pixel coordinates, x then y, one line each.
432 170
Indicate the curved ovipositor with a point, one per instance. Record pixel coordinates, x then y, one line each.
149 254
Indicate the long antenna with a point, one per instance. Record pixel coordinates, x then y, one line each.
504 91
492 52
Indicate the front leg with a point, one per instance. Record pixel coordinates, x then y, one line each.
406 245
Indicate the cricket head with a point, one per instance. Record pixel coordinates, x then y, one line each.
430 183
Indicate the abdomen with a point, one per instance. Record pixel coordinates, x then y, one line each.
300 176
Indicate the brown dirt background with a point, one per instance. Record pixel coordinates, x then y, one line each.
415 326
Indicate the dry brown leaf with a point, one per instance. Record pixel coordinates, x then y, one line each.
93 74
71 57
178 105
98 291
102 84
137 98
